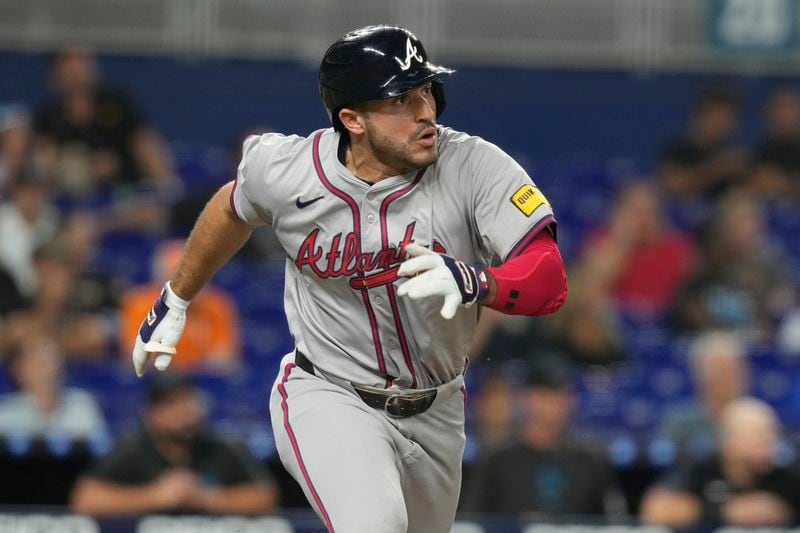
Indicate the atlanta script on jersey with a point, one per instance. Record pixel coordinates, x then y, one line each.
343 249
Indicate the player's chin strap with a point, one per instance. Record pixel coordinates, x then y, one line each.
435 274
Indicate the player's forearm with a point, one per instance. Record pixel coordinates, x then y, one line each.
97 497
533 283
251 499
218 234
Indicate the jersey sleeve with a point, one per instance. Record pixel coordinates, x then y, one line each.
250 197
509 209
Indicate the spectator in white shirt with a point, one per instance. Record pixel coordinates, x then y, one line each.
41 404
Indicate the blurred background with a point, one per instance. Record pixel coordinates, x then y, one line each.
665 133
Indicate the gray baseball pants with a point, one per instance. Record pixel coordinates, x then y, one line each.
362 470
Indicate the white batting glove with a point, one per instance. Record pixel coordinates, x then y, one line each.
160 331
441 275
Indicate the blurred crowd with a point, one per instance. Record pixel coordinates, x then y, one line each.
84 170
686 250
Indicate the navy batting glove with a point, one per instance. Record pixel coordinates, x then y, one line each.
160 331
441 275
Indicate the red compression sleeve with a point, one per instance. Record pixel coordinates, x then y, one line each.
533 282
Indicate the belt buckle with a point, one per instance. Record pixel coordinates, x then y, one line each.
394 402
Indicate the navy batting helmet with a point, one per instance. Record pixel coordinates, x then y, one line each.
373 63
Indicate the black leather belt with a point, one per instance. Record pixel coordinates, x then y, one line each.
395 404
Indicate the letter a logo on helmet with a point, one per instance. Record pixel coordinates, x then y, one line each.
374 63
411 53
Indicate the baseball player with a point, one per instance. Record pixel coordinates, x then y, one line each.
388 221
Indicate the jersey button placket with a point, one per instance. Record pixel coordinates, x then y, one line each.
371 241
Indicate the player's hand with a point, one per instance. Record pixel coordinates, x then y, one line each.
160 331
441 275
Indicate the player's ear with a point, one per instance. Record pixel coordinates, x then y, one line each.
352 120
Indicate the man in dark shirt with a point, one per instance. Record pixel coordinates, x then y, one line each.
174 465
776 161
706 161
741 486
544 471
92 137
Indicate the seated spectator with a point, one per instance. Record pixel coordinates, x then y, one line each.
99 152
97 292
636 255
545 471
706 161
588 328
740 282
742 486
718 363
27 222
211 338
174 463
41 404
92 136
61 310
15 140
494 410
776 161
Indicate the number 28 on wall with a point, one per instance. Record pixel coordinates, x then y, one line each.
757 24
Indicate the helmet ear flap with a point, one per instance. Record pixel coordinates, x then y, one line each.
332 107
437 89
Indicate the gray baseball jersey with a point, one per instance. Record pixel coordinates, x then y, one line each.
344 239
361 469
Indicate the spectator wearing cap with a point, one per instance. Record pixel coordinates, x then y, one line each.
211 338
174 463
720 372
41 404
545 471
740 486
